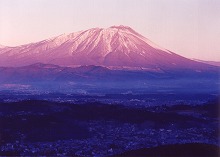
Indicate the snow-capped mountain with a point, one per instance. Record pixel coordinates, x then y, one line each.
116 46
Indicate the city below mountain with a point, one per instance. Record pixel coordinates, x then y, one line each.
113 47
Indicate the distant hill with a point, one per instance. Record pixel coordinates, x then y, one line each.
215 63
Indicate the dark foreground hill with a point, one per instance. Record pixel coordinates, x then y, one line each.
177 150
43 128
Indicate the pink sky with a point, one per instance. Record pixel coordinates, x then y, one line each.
187 27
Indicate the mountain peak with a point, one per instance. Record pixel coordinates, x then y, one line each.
116 46
121 27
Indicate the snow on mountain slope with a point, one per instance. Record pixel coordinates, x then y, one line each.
116 46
